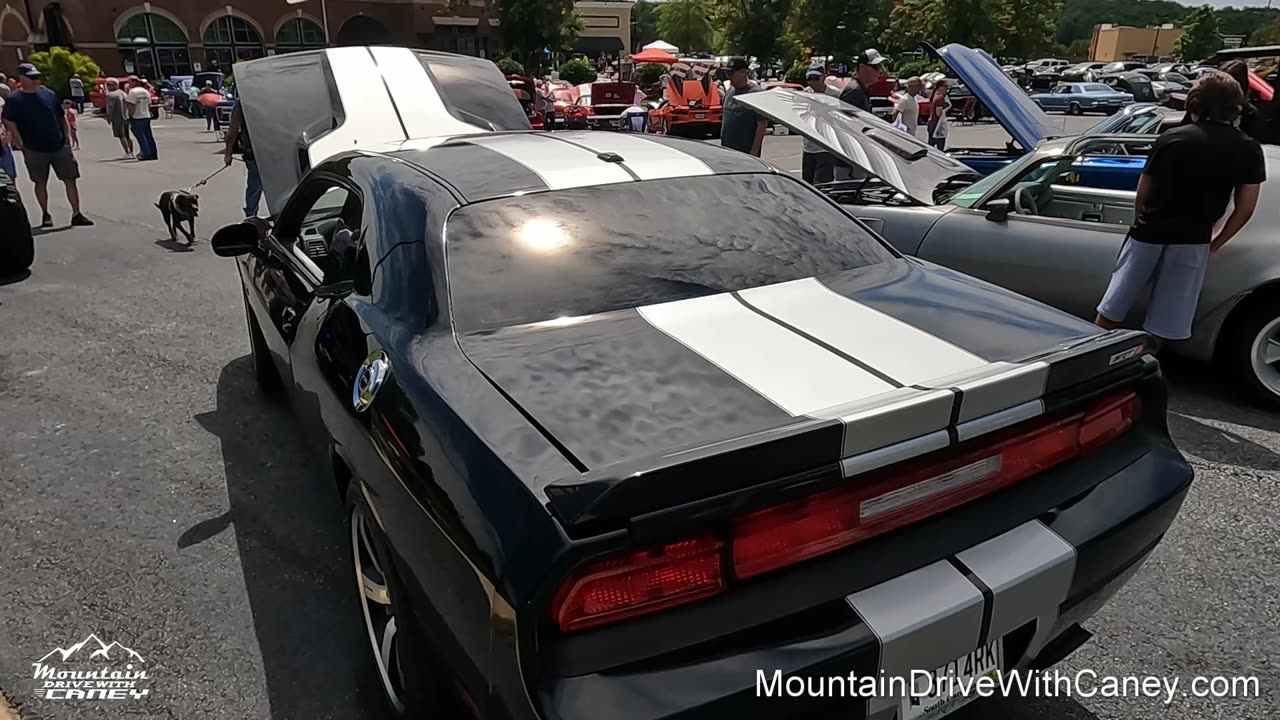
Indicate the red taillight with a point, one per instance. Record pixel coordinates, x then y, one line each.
766 540
641 583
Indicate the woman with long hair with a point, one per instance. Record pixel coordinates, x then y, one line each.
939 122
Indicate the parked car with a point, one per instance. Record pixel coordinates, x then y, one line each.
1034 228
568 112
1080 98
609 100
1082 72
1138 119
610 433
1134 83
1121 66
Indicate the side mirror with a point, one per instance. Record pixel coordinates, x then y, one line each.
998 210
236 240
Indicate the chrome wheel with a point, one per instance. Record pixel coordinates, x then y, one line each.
1265 355
375 604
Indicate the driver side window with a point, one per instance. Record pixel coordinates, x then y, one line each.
321 228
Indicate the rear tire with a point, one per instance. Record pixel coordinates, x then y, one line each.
264 369
1252 340
412 684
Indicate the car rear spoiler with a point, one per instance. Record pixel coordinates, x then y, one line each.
732 473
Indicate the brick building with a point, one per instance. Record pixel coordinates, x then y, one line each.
178 37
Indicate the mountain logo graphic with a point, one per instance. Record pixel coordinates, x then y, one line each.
98 651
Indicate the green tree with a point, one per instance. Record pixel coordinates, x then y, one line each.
1026 27
686 24
837 27
970 22
644 24
57 65
1200 36
754 28
509 66
650 73
1267 34
530 26
577 71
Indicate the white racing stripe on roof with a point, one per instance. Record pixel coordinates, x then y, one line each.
794 373
369 115
422 110
560 165
902 351
647 159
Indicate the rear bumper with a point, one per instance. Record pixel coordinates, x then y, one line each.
1026 587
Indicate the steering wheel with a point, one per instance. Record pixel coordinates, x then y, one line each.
1024 201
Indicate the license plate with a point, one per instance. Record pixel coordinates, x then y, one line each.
946 696
700 116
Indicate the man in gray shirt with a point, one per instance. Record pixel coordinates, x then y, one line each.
117 115
740 128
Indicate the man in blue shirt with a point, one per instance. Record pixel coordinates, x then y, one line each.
37 126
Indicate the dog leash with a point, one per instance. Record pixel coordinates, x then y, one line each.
207 178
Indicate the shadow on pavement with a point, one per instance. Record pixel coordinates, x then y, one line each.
37 231
1204 391
1028 708
14 278
295 556
177 246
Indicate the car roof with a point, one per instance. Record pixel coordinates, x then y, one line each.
500 164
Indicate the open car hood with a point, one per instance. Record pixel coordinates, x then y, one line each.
1013 108
860 138
303 108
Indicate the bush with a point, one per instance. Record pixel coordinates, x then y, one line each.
577 71
58 65
797 72
650 73
509 66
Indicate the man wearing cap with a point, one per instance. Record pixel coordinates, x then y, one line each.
740 128
138 100
816 164
866 74
37 125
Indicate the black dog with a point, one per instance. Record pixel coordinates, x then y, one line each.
177 206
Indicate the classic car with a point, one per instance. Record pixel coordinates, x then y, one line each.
1138 119
609 100
1080 98
1025 122
1135 84
525 89
568 111
1035 229
621 419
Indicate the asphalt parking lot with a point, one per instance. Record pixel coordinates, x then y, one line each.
150 496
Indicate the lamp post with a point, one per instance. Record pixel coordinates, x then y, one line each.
324 17
835 39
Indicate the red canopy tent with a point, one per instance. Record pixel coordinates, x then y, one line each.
653 56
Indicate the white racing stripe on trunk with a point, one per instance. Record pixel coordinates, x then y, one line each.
422 110
997 387
370 118
649 160
901 351
560 165
794 373
891 418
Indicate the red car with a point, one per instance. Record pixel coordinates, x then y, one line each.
567 111
526 91
98 96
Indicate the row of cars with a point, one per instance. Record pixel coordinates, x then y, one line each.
624 422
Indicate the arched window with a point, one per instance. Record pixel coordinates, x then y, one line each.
228 39
153 46
299 34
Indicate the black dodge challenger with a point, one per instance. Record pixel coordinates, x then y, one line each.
634 427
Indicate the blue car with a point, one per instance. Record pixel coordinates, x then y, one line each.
1027 124
1080 98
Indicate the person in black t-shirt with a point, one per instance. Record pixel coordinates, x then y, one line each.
1193 172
